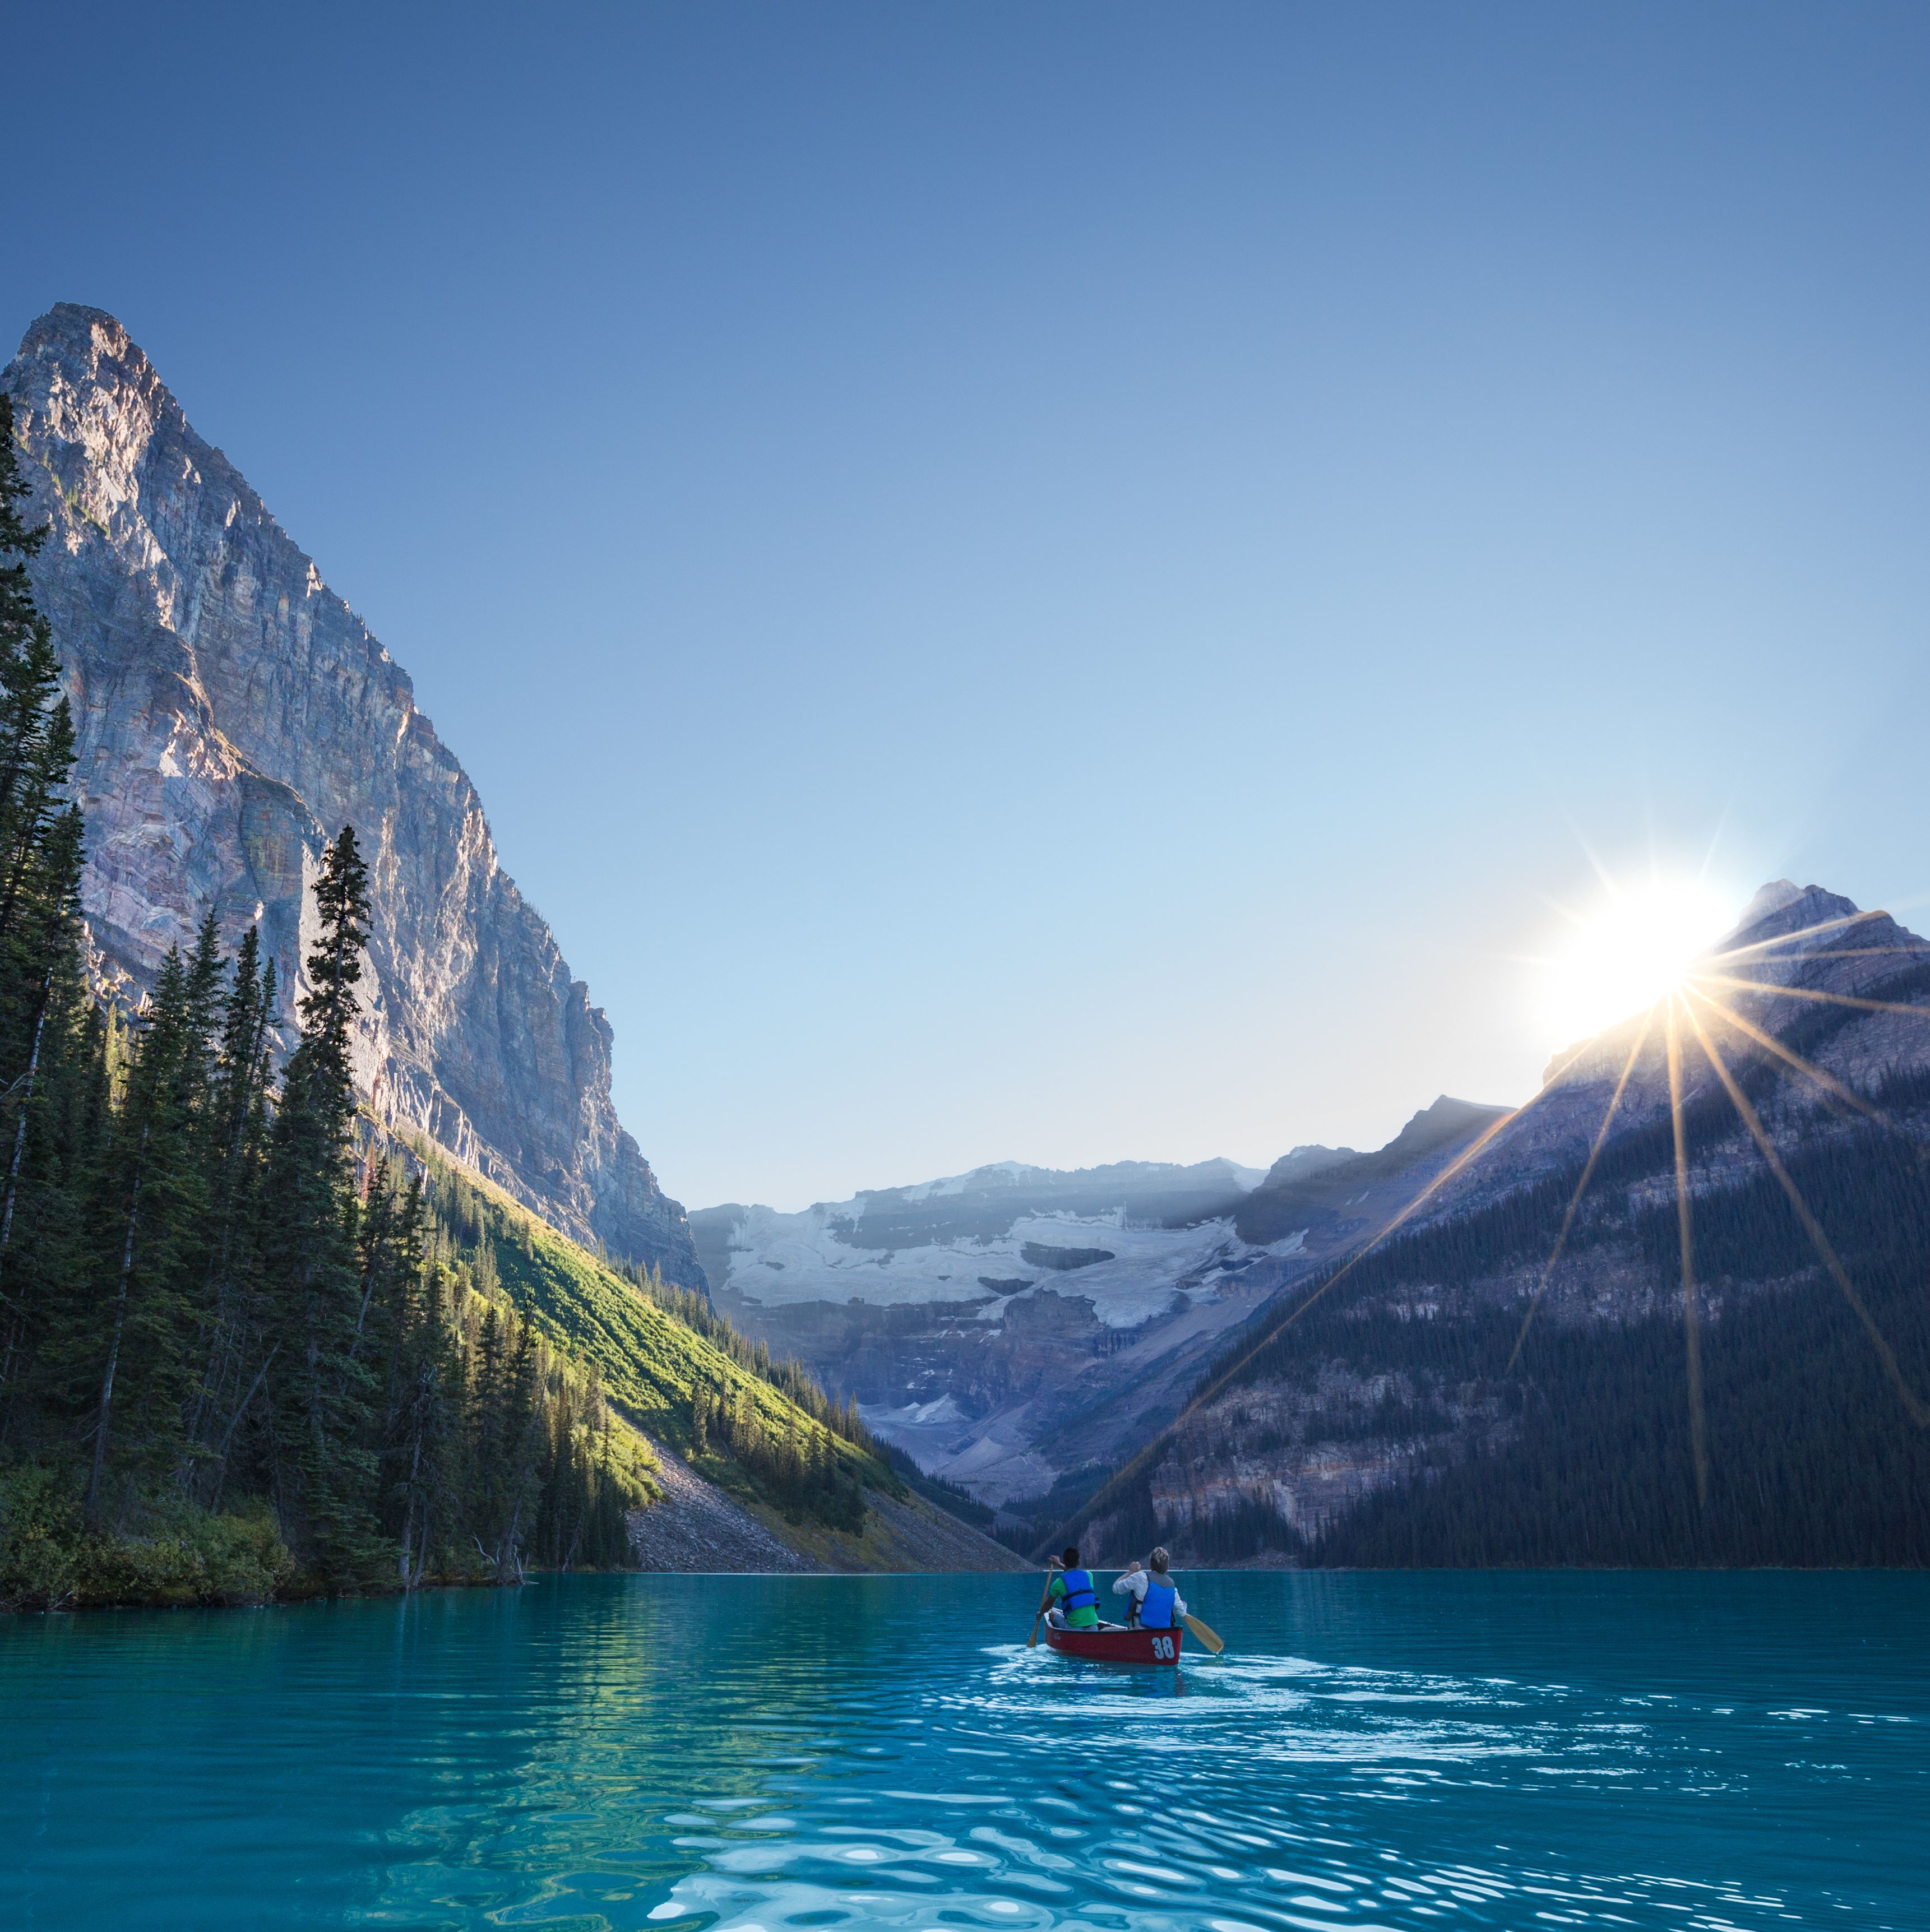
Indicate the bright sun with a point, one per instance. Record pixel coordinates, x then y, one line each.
1636 943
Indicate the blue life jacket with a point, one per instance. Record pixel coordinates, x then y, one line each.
1080 1594
1156 1606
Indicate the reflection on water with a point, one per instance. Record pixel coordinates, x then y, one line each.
678 1753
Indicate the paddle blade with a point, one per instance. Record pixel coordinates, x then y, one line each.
1032 1642
1045 1596
1205 1636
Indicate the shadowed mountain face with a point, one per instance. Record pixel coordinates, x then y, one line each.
1529 1370
233 713
1300 1194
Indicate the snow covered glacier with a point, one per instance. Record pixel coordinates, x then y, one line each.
1126 1238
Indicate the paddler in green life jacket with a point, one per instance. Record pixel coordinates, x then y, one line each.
1071 1602
1156 1605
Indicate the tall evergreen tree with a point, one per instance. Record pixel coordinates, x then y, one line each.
42 990
237 1350
324 1470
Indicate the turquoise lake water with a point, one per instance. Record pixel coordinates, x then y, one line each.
1404 1750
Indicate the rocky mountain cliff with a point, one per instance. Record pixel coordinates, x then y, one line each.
232 714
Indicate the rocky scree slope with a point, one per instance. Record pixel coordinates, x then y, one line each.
1407 1411
232 713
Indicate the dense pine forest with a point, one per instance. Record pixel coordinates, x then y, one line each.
250 1348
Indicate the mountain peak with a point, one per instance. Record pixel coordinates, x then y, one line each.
69 314
1769 898
232 713
1446 1118
1782 908
78 334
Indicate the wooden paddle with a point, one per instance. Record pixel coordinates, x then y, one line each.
1032 1642
1205 1636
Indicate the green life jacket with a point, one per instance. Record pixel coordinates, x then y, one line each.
1080 1601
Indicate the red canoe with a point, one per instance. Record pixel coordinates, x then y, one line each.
1117 1645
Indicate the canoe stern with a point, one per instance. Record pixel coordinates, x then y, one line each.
1156 1647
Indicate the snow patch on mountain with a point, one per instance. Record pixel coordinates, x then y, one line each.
779 1259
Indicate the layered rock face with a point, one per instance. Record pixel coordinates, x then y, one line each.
232 714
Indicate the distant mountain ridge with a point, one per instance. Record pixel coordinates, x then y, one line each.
232 713
1301 1192
980 1205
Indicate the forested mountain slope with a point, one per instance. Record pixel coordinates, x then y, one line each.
232 713
1529 1369
765 1433
760 1433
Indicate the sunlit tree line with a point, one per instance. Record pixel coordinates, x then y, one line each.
793 1458
765 1432
789 1377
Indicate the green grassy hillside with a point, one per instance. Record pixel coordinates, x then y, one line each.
713 1400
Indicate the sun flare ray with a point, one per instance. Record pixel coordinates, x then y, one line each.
1752 1120
1808 1069
1796 937
1459 1164
1221 1382
1810 993
1581 1188
1446 1174
1835 953
1698 1426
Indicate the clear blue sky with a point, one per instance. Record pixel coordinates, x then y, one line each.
1062 583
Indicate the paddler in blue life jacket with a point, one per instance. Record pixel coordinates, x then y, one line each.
1071 1601
1156 1605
